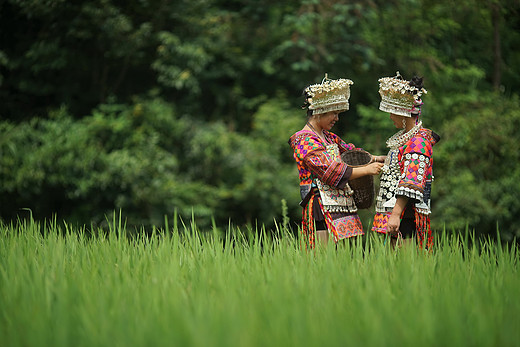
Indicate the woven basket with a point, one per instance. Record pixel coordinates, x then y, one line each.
363 186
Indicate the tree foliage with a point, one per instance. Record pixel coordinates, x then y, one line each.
145 160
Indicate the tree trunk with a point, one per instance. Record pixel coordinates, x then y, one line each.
497 54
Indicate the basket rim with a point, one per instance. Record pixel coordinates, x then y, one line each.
354 151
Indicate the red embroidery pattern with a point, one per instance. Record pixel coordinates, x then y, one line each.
380 221
348 226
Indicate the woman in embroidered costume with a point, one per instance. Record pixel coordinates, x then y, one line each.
327 199
403 202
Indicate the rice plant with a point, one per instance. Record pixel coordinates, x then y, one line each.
180 286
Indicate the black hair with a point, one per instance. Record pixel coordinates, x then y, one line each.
306 102
416 82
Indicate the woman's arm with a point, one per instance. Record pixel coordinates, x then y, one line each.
370 169
359 171
414 163
317 160
394 221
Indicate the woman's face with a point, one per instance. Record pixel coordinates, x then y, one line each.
398 120
327 120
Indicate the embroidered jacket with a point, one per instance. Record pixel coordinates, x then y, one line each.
313 160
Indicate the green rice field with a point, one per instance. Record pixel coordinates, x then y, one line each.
62 286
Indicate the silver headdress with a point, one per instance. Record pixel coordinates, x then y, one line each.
399 97
329 95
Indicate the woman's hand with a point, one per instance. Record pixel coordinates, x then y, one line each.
374 168
378 159
394 221
392 226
